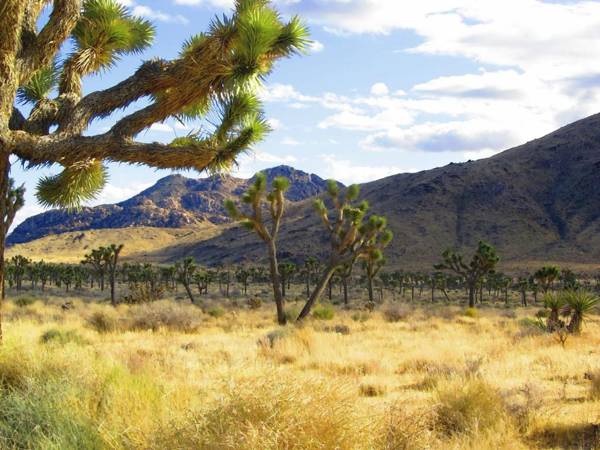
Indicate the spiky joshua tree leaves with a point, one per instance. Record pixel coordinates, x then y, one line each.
213 79
482 263
351 236
258 199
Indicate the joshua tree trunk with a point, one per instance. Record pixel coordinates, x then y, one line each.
276 281
370 289
472 288
186 285
319 289
345 286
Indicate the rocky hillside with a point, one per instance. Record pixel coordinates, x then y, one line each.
173 202
536 202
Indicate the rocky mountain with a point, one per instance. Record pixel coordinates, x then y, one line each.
173 202
536 203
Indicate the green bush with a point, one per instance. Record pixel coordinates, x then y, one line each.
542 313
61 337
323 312
25 301
103 321
292 313
215 311
395 313
472 312
360 316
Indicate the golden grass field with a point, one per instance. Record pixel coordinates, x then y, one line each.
169 376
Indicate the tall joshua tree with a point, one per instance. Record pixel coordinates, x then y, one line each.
482 263
186 270
546 276
258 199
351 236
215 75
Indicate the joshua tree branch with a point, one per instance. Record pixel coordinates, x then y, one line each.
64 149
64 17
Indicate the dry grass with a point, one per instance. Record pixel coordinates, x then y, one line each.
170 376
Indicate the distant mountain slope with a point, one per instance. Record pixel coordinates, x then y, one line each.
536 202
539 201
173 202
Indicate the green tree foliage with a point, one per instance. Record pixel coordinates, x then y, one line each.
483 262
257 199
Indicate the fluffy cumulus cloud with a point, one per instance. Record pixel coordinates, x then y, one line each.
347 172
540 73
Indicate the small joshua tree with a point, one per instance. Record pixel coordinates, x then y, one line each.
257 199
546 276
185 273
286 271
96 260
111 259
483 262
351 236
372 264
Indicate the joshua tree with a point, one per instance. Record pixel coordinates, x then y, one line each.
111 259
482 263
345 272
214 76
97 261
372 264
311 265
185 273
351 236
286 270
546 276
257 198
242 275
523 284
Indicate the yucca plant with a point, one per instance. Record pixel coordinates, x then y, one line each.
579 305
554 302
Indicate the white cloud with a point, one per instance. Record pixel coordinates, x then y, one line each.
114 194
379 89
316 47
30 209
345 171
146 11
225 4
275 124
290 141
161 128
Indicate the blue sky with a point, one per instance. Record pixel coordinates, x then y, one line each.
391 86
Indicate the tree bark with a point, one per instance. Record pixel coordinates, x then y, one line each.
4 172
471 295
276 282
319 289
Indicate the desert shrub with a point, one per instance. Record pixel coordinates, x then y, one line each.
372 390
467 406
22 302
264 414
61 337
167 315
254 303
276 335
103 321
395 313
339 328
472 312
360 316
140 293
404 430
323 312
594 377
215 311
542 313
292 313
524 407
